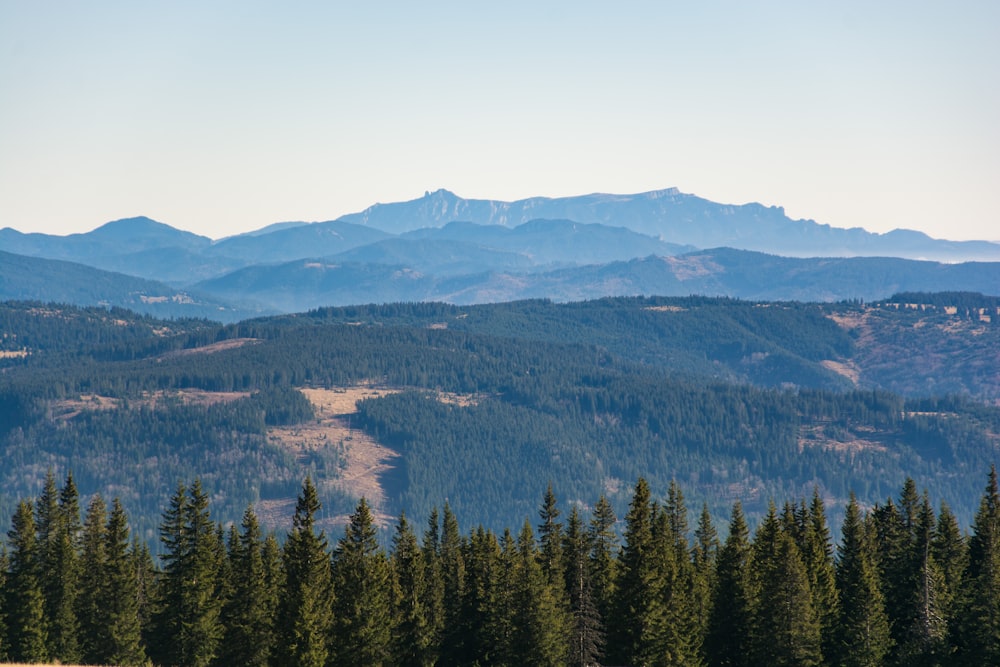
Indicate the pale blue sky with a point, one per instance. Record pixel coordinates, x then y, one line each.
222 117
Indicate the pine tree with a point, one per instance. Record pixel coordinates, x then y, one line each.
414 638
787 621
27 627
923 640
638 608
678 637
863 638
727 642
949 551
430 550
363 602
541 629
58 522
249 613
188 624
977 624
93 559
119 603
587 633
817 555
603 557
482 561
550 537
305 604
453 589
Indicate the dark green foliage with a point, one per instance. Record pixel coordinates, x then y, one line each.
587 627
27 624
187 626
729 628
261 604
862 632
306 600
638 603
977 617
249 614
119 605
362 576
412 645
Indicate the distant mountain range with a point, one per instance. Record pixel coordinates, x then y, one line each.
443 247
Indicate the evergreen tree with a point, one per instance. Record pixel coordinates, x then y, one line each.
453 589
550 537
949 551
603 557
434 585
93 559
305 604
727 642
862 633
786 620
363 602
481 556
638 603
27 627
677 638
923 640
58 515
119 603
188 624
541 628
414 638
587 633
817 556
249 613
977 625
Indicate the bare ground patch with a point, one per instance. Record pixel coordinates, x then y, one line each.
848 370
362 460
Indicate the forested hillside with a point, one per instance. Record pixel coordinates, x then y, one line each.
902 585
482 405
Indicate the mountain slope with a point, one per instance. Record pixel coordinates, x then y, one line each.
47 280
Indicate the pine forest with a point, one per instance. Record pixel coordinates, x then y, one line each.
904 585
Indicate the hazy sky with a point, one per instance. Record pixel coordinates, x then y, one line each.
221 117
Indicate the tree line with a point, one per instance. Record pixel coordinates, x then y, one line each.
903 586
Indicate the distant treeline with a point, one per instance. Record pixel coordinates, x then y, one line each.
903 586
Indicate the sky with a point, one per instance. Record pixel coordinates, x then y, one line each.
223 117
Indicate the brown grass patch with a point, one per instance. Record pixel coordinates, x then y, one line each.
848 370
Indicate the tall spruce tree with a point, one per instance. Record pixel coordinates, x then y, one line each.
188 628
250 612
603 557
414 637
58 522
119 603
363 603
862 633
306 600
678 637
976 632
430 550
787 621
587 632
27 625
482 560
541 627
727 642
453 589
89 601
817 556
638 603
